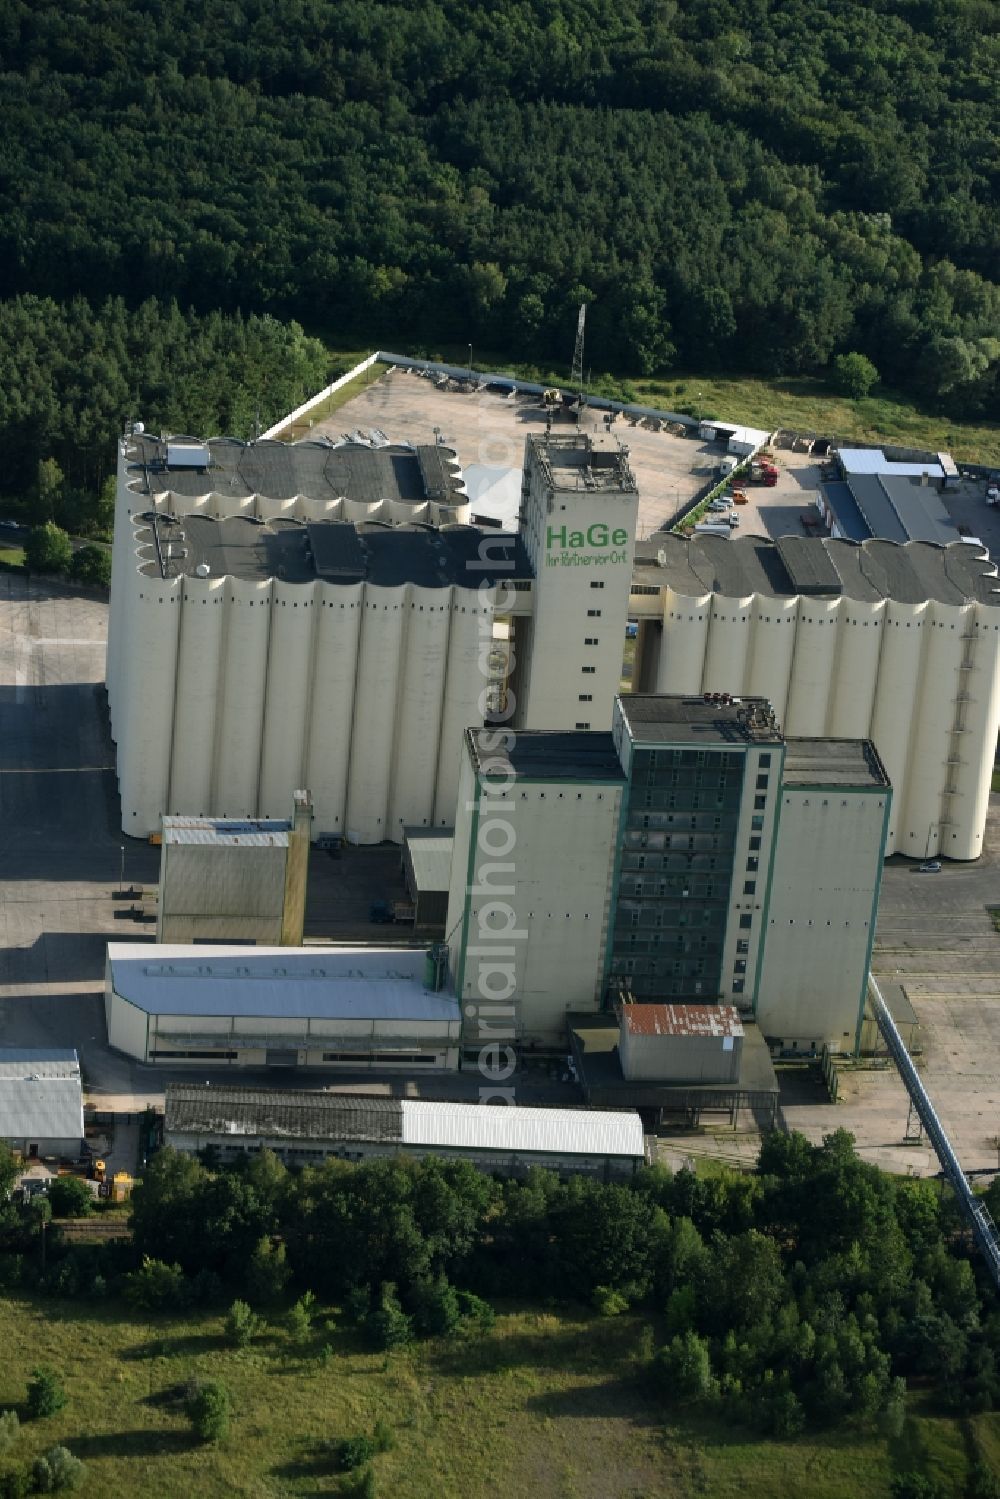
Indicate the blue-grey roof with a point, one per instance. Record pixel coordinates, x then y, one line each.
303 983
876 508
850 521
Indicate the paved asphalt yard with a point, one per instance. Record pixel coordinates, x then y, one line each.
60 864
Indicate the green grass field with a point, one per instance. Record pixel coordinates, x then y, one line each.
551 1406
11 556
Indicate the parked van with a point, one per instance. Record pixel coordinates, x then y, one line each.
713 528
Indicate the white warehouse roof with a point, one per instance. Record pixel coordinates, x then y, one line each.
751 437
874 461
40 1095
514 1129
317 983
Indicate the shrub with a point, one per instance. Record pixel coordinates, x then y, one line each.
10 1427
48 549
16 1483
70 1197
267 1272
389 1326
683 1368
477 1314
46 1395
854 375
209 1409
354 1452
609 1302
383 1437
91 564
242 1324
436 1309
58 1469
156 1286
301 1315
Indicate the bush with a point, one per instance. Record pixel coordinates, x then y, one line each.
267 1272
436 1309
70 1197
354 1452
91 564
383 1437
683 1368
10 1428
854 375
48 549
46 1395
389 1326
156 1286
242 1324
209 1408
609 1302
477 1314
58 1469
16 1483
301 1315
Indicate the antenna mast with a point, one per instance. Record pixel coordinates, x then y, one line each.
576 373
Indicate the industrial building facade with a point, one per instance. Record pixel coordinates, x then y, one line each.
897 644
694 854
303 1127
234 881
319 615
353 1009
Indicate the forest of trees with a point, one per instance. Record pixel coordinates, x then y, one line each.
730 184
810 1293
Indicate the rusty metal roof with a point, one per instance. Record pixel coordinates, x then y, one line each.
681 1020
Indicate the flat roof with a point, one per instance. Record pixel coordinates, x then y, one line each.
547 755
920 509
672 718
30 1061
221 832
583 461
874 461
334 551
832 762
429 852
314 983
681 1020
306 1115
315 467
873 570
41 1096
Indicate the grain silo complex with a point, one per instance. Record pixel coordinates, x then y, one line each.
322 615
897 644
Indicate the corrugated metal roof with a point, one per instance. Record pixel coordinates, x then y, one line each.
343 983
292 1113
430 857
226 832
514 1130
40 1095
50 1061
681 1020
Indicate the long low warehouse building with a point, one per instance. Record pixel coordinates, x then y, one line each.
897 644
342 1008
303 1127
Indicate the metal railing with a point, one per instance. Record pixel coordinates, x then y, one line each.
984 1230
